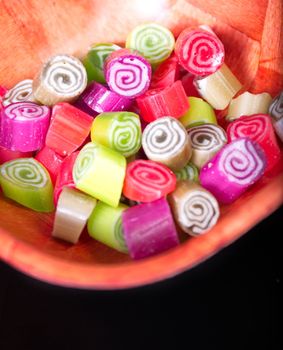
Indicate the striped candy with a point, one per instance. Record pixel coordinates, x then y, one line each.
19 93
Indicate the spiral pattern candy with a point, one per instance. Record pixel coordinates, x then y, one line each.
166 141
200 52
276 107
147 181
206 139
19 93
24 126
195 209
233 169
127 74
259 128
153 41
27 182
62 79
189 172
120 131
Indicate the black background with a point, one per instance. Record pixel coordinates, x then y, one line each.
232 301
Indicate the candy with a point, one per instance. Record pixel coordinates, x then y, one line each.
206 140
98 99
19 93
51 160
149 229
219 88
153 41
105 225
120 131
258 128
65 175
278 127
95 58
27 182
201 53
276 107
194 209
189 86
248 104
200 112
6 155
72 212
128 74
236 167
147 181
166 74
100 171
189 172
23 127
166 141
68 129
61 79
171 101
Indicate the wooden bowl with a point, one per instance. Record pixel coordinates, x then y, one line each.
32 30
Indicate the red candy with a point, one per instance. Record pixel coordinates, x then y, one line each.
6 155
257 127
147 181
189 86
68 129
166 74
171 101
51 160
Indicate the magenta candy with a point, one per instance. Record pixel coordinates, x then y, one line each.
7 154
149 229
24 126
98 99
236 167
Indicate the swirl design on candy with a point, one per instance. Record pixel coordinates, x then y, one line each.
84 161
19 93
199 211
127 74
276 107
153 41
25 172
119 235
26 110
201 53
242 164
208 137
147 181
189 172
102 51
125 134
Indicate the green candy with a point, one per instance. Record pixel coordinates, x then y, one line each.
189 172
27 182
105 226
199 112
94 61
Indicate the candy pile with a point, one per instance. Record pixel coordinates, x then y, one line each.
127 143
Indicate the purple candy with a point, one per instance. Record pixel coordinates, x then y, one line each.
149 229
236 167
98 99
24 126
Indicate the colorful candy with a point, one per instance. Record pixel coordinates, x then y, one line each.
6 155
127 73
166 74
72 212
189 86
219 88
248 104
147 181
120 131
105 225
100 171
98 99
51 160
19 93
278 127
171 101
189 172
23 126
200 112
61 79
236 167
258 128
206 141
149 229
201 53
27 182
68 129
195 210
153 41
166 141
94 61
276 107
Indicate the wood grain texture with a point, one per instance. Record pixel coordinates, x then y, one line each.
32 30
